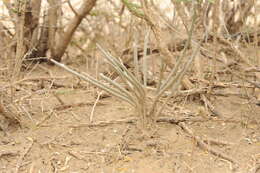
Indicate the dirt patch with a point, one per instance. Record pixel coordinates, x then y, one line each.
57 136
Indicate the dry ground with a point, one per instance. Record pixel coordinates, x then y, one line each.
56 134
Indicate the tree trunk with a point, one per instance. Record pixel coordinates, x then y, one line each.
63 42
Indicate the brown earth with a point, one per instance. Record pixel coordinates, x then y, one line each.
56 134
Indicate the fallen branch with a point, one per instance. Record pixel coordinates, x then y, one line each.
134 120
40 78
68 106
20 160
204 146
216 142
8 153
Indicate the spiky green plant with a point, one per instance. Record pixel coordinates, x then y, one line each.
147 108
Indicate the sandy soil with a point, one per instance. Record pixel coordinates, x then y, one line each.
56 134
